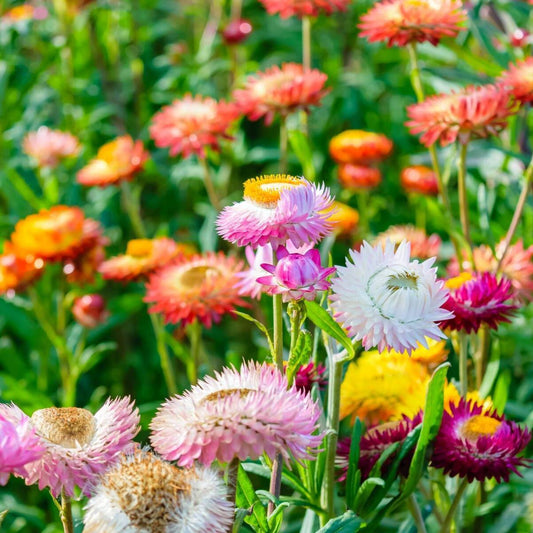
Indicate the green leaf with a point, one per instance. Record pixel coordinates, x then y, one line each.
246 498
287 478
302 150
349 522
301 353
260 326
353 477
321 318
93 354
501 390
365 491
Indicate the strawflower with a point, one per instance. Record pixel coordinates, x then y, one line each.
423 246
359 147
90 310
280 90
116 161
237 414
358 177
82 268
452 397
79 446
49 147
309 374
144 493
344 219
478 444
200 287
519 80
17 272
388 301
304 8
275 209
419 179
193 124
468 114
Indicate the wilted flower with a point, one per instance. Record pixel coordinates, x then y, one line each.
422 245
78 446
359 147
116 161
90 310
304 8
247 284
144 493
400 22
238 414
478 444
419 179
358 177
344 219
17 272
473 112
276 209
49 147
280 90
519 80
192 124
388 301
200 287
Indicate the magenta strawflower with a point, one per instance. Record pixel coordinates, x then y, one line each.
309 374
19 445
477 299
237 414
276 209
78 445
296 276
478 444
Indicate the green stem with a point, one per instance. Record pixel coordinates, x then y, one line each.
283 144
413 507
166 365
449 517
130 201
296 313
195 336
209 186
463 363
66 513
482 354
306 61
463 197
363 199
233 470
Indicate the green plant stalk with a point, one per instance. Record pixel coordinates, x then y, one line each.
482 354
233 470
463 363
463 198
195 336
209 186
306 62
166 365
414 509
130 200
362 207
66 513
449 517
283 144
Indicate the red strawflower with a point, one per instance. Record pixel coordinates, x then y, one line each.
419 179
303 8
519 80
359 147
357 177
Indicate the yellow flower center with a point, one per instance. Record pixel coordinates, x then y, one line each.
266 190
195 277
479 426
69 427
224 393
140 247
405 280
458 281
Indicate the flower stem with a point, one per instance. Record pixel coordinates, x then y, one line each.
233 470
66 513
195 336
363 199
166 365
306 62
413 507
449 517
516 215
463 199
283 144
130 200
482 354
463 363
209 186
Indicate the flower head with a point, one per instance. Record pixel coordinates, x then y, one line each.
309 374
19 445
473 112
303 8
296 276
422 245
17 272
280 90
24 12
83 267
201 287
90 310
276 209
358 147
116 161
247 284
519 80
49 147
477 299
477 444
452 397
344 219
78 445
388 301
378 388
239 413
419 180
358 177
144 493
400 22
192 124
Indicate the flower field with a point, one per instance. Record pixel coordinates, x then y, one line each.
267 266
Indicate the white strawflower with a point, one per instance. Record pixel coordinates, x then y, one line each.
387 301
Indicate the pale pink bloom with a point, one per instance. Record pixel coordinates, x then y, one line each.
385 300
247 284
237 414
18 446
78 446
49 147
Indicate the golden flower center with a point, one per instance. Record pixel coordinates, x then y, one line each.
458 281
196 276
224 393
266 190
404 280
479 426
140 247
69 427
377 430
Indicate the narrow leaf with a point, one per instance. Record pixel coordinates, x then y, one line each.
260 326
301 353
246 498
353 476
349 522
301 148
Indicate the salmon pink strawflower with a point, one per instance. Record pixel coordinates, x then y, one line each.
116 161
468 114
49 147
79 446
422 246
280 90
192 124
276 209
478 444
419 180
400 22
201 287
358 177
358 147
388 301
303 8
519 80
237 414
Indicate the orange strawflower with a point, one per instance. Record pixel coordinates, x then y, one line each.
17 272
303 8
280 90
423 246
49 147
142 257
359 147
473 112
82 269
344 219
55 234
399 22
419 179
116 161
357 177
519 80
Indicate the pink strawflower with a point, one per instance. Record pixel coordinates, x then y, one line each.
78 446
90 310
388 301
478 444
276 209
237 414
309 374
423 246
49 147
478 299
247 284
19 445
519 80
192 124
303 8
296 276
